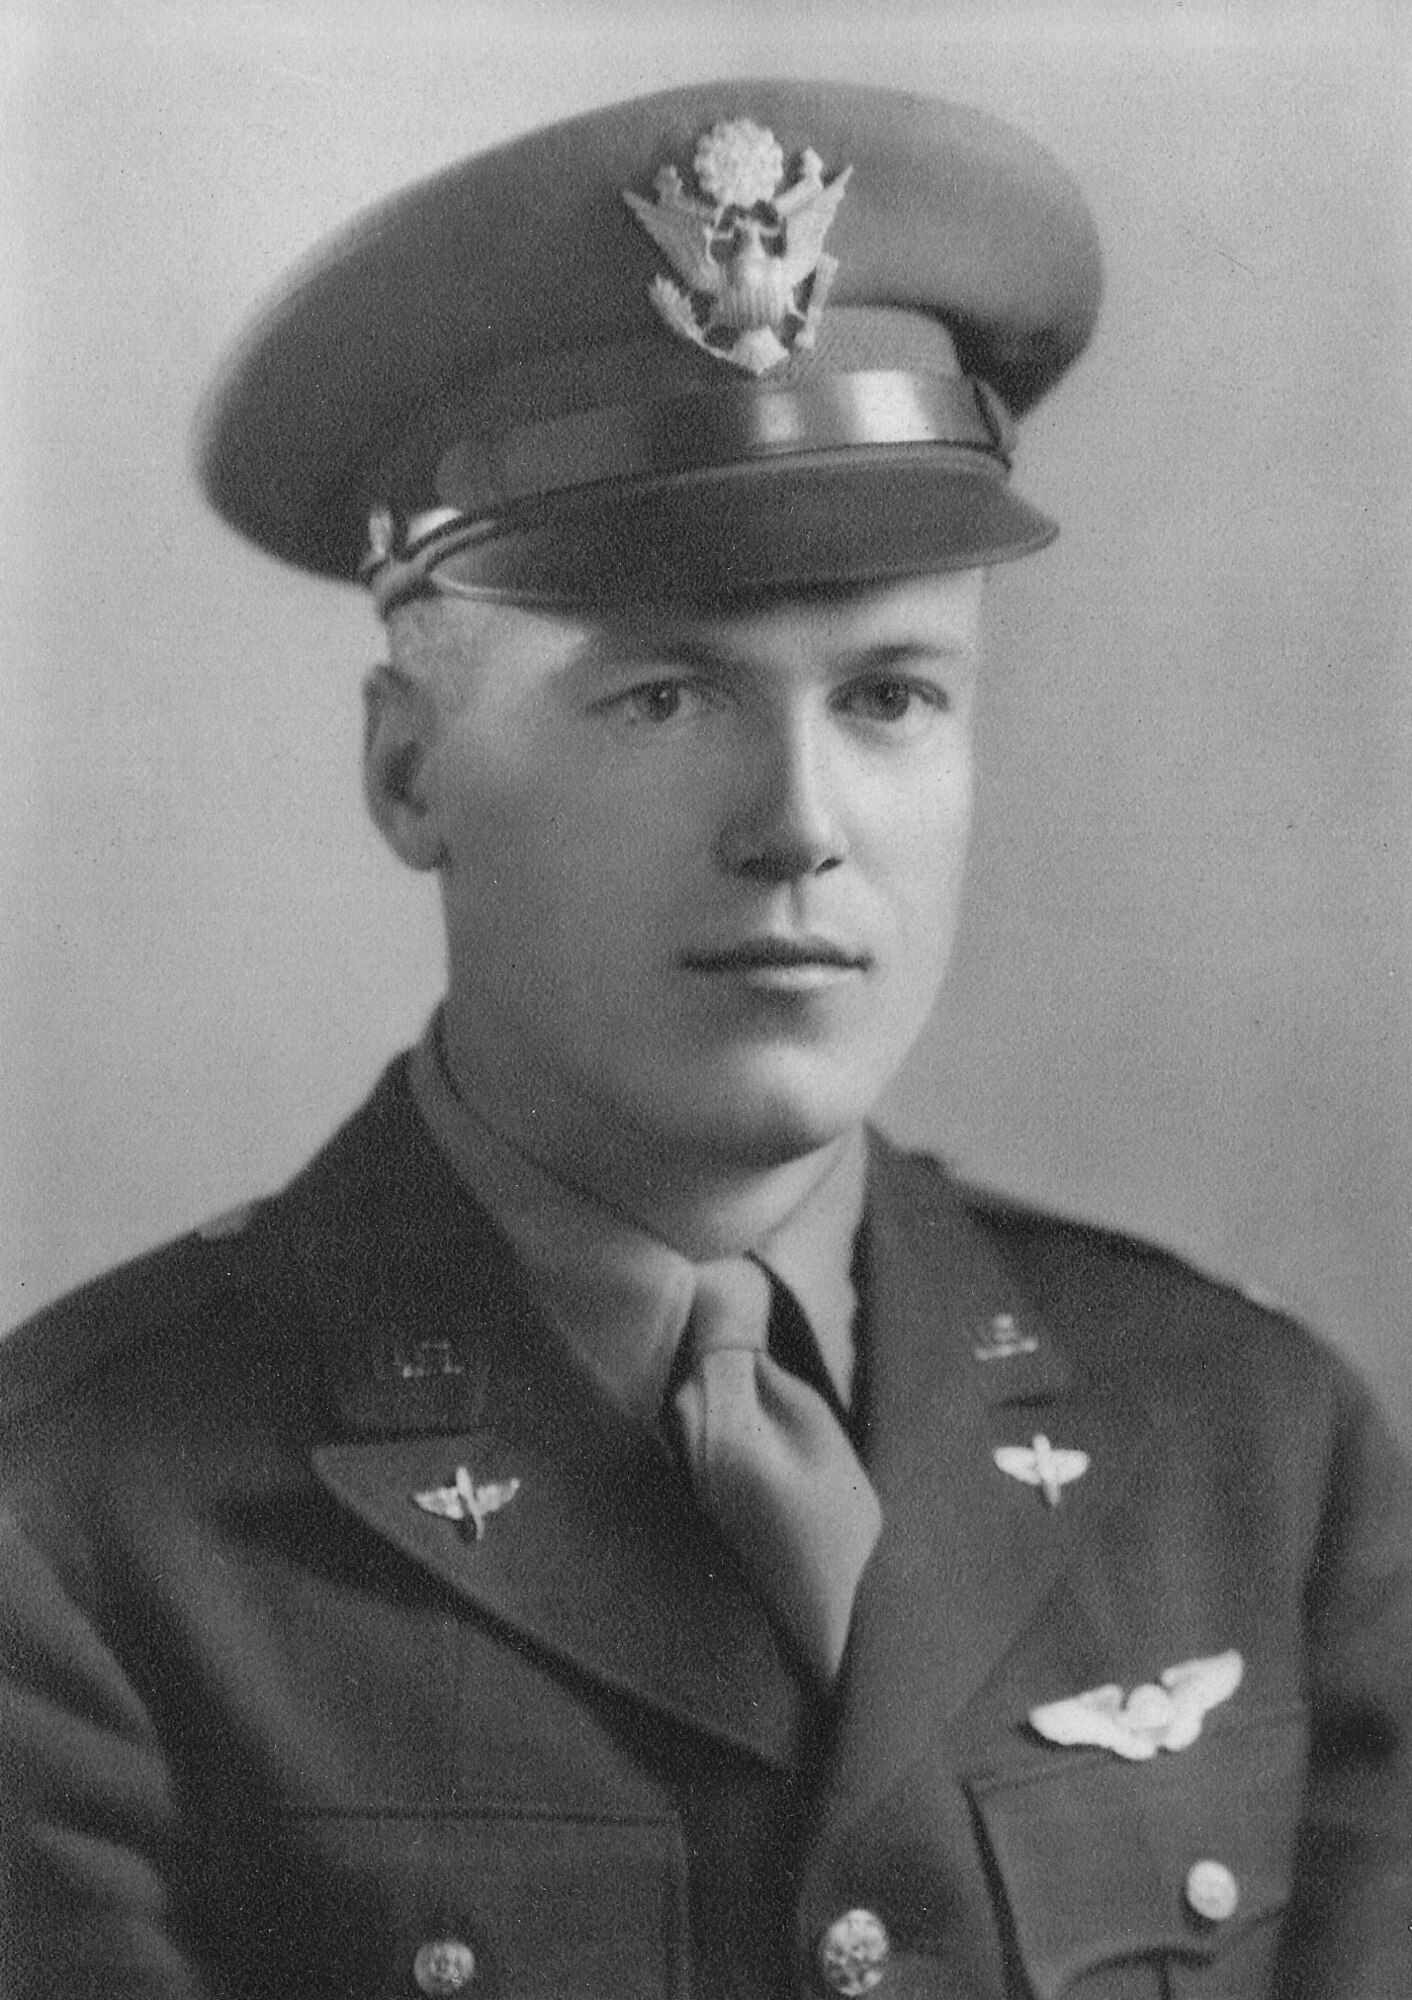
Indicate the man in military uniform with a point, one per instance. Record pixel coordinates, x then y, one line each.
614 1526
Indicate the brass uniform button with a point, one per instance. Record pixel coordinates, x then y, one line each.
853 1953
1212 1891
444 1968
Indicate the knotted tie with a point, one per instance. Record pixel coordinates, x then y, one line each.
772 1465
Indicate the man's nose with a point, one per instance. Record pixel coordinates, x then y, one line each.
784 823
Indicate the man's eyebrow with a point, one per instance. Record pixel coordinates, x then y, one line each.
890 654
600 650
604 649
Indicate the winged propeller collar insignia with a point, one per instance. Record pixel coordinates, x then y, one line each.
751 255
466 1502
1043 1465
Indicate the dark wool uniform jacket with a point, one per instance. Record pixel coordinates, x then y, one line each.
268 1728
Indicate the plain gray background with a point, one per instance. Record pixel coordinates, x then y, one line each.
1181 999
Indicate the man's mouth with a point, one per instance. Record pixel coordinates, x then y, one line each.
781 964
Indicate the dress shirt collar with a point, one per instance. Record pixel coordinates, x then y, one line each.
617 1294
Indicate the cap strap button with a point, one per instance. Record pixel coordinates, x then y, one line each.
1212 1891
853 1953
444 1968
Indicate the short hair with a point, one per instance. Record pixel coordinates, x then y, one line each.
439 643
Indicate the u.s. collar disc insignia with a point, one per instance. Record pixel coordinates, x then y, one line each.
751 254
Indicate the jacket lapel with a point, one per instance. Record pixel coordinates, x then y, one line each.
960 1364
435 1359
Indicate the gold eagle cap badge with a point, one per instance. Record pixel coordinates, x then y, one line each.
750 254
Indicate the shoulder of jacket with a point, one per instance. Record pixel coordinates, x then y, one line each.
140 1302
1028 1226
1090 1245
242 1253
1095 1280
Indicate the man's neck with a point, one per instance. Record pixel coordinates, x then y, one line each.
701 1203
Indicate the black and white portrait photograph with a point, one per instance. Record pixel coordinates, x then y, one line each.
706 1000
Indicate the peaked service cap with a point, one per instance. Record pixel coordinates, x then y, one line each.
722 342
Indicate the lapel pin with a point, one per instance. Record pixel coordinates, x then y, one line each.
1152 1718
1003 1340
1040 1464
463 1500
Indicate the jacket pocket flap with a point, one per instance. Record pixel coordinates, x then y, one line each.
523 1906
1178 1857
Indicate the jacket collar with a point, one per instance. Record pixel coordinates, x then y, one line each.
434 1357
962 1364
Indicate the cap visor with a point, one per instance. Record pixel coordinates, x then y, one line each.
750 532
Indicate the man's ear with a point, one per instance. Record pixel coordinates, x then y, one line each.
399 731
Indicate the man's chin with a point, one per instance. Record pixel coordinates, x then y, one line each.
762 1123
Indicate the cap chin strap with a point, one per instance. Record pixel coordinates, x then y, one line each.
705 431
395 578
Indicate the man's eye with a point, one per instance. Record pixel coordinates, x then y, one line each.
655 703
894 701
